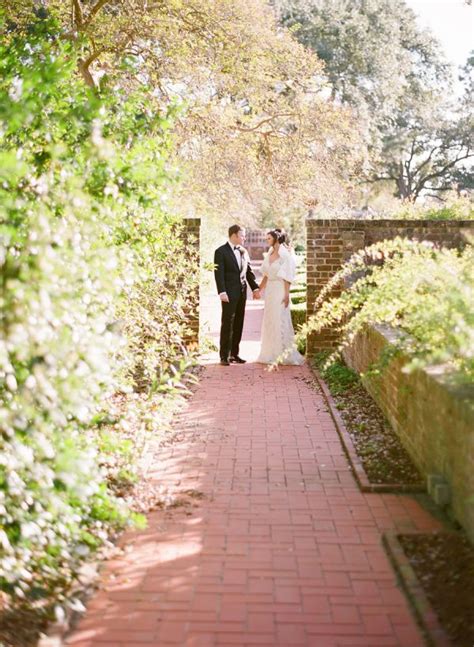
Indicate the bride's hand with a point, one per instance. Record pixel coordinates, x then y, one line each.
286 300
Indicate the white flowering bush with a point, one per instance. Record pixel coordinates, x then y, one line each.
87 300
425 292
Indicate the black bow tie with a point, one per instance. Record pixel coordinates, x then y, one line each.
236 247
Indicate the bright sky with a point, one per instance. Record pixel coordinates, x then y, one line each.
452 22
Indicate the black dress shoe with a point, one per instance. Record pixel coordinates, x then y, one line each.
236 360
224 362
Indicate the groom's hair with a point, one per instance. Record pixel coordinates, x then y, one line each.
234 229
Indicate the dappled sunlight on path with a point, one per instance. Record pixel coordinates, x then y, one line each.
266 539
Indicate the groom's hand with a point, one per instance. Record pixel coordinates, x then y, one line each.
223 297
256 294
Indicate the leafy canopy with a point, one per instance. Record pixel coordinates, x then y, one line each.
394 76
257 130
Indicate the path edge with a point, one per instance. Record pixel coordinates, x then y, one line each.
421 607
349 448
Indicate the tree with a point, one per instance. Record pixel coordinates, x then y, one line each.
426 156
371 49
254 127
462 175
428 147
394 77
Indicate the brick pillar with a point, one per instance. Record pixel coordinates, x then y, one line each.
324 257
191 235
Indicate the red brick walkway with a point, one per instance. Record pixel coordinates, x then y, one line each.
280 549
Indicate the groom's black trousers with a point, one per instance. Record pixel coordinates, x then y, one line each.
232 324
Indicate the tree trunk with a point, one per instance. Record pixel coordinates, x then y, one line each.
402 188
85 73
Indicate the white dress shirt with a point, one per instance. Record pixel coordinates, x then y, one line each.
237 254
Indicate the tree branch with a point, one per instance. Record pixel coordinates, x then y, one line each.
378 178
412 154
95 9
427 160
84 65
422 182
78 16
264 121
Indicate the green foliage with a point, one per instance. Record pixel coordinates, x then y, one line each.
394 75
362 44
424 292
93 295
297 298
298 315
339 377
452 209
298 318
298 301
261 114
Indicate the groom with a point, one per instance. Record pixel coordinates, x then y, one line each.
232 272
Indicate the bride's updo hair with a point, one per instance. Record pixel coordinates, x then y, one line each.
279 236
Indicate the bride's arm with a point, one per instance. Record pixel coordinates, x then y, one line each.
263 283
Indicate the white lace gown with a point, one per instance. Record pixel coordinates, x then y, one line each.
278 335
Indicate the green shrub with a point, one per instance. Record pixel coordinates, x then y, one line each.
298 298
337 375
94 285
57 301
298 318
455 208
425 292
298 315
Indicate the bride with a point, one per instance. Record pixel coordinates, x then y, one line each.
278 335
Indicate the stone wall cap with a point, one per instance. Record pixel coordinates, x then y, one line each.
190 219
440 373
395 222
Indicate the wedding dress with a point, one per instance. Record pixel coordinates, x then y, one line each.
278 335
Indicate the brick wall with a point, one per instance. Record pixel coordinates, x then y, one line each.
332 242
191 234
433 418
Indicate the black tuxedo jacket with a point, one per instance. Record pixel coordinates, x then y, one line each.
227 273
